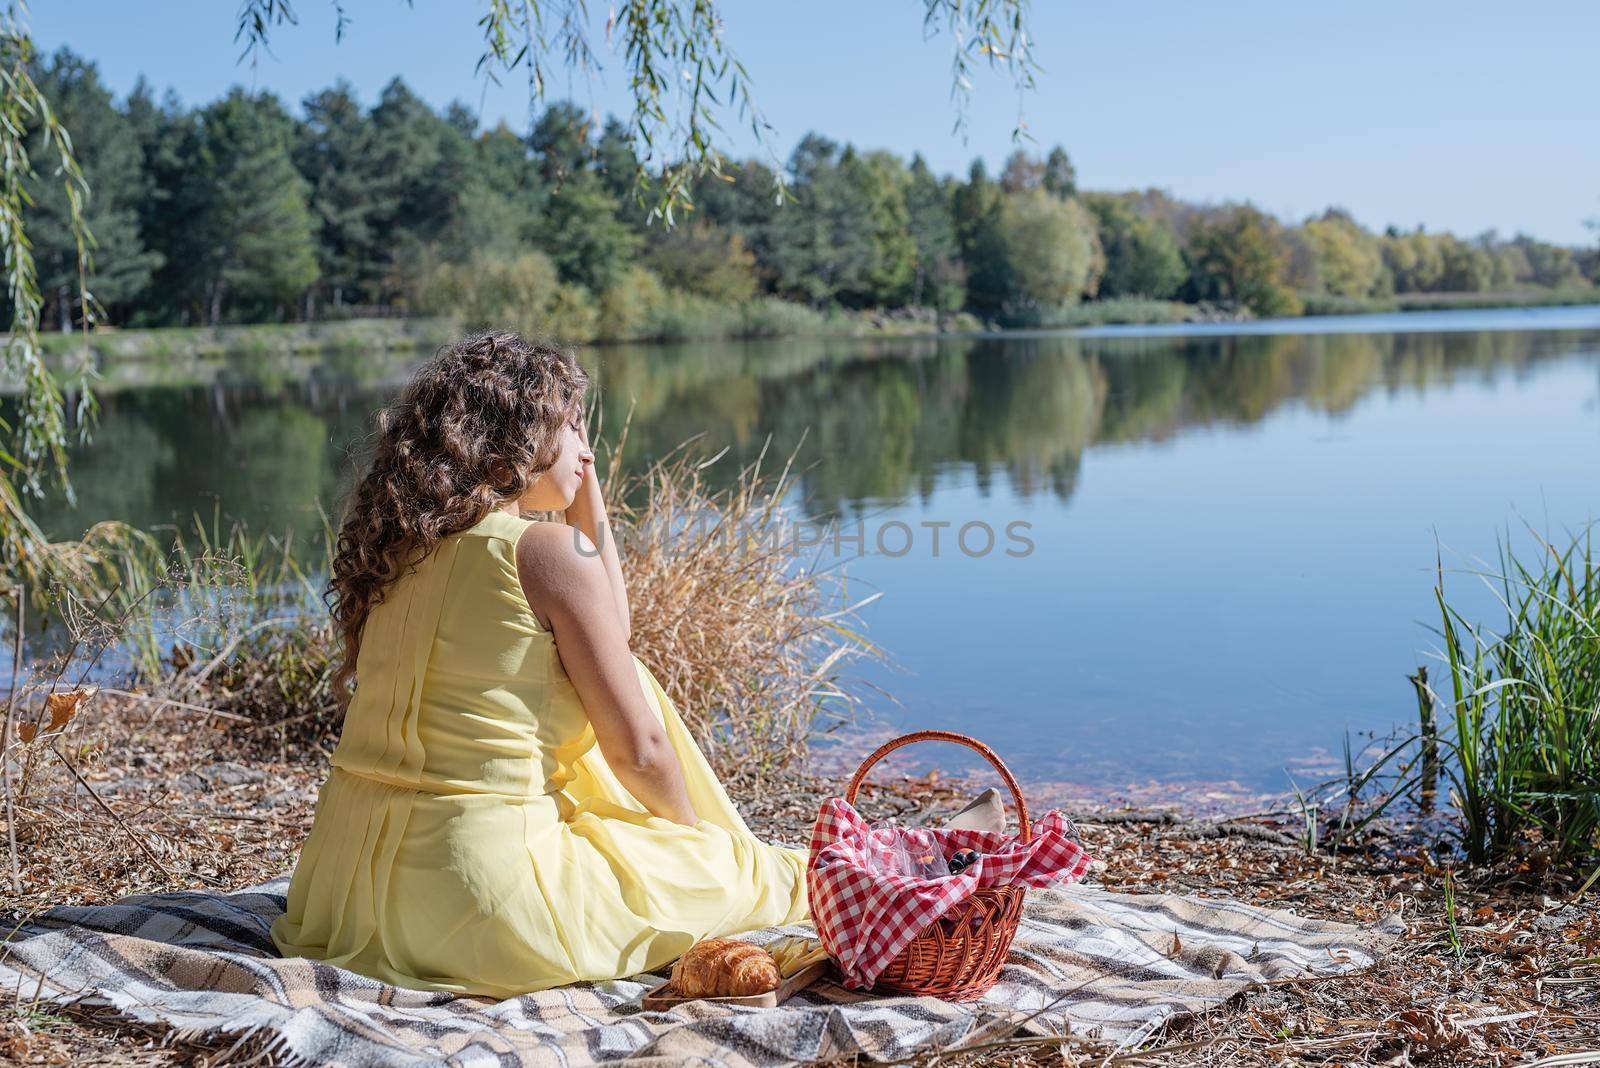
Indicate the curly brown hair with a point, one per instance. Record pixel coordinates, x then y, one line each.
472 430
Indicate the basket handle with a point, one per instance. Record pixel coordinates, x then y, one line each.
1026 832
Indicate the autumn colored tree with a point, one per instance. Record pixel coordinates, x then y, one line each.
1050 248
1238 252
1349 262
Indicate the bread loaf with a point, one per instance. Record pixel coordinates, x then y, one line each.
724 968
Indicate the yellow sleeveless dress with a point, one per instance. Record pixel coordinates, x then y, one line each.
470 837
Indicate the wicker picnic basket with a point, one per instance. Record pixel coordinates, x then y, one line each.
957 957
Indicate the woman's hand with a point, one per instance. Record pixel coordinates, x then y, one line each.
588 513
589 500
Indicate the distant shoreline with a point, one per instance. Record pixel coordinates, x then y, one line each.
1420 320
159 345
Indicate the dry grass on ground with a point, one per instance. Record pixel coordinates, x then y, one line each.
1524 984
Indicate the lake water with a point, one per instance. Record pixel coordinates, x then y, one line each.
1222 539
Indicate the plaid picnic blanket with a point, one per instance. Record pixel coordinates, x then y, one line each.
201 966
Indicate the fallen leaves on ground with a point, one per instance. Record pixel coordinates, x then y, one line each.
1526 983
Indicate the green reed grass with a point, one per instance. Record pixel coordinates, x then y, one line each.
1452 927
1522 711
1336 812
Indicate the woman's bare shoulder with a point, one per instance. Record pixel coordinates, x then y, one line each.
548 540
559 565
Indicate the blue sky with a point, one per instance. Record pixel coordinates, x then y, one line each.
1459 115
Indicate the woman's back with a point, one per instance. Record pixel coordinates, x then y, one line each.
459 688
470 836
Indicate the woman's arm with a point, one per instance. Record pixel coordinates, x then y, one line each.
571 585
588 514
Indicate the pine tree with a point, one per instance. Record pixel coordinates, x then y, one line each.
421 160
618 166
975 208
253 235
939 280
112 159
503 205
167 141
560 140
336 152
824 243
1060 176
581 229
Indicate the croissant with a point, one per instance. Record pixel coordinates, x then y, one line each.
724 967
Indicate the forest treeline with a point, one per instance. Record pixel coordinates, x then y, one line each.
240 211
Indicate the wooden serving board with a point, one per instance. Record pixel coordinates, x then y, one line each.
664 997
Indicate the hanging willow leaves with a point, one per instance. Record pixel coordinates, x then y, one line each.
681 72
35 447
995 31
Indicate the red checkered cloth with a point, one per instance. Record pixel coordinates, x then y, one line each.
865 917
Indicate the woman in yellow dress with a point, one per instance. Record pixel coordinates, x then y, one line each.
514 802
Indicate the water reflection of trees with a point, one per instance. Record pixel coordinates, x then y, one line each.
165 456
883 421
1159 386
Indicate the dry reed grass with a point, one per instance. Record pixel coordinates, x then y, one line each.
747 635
